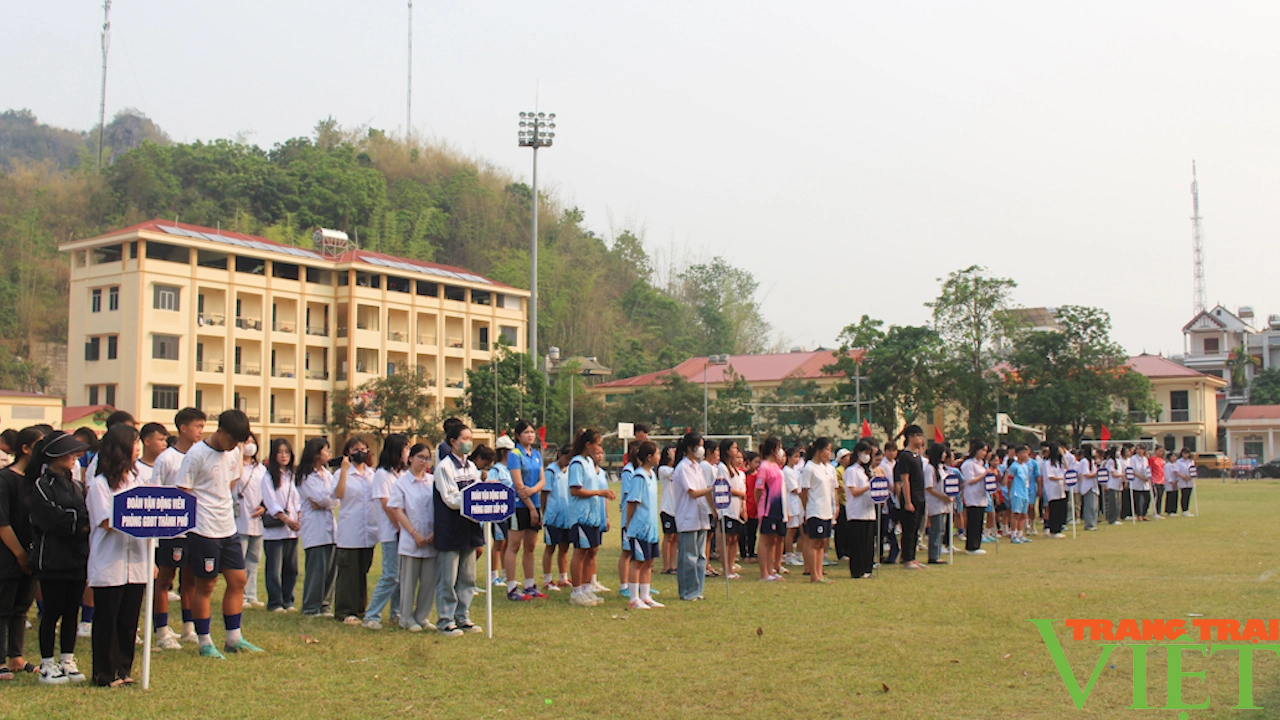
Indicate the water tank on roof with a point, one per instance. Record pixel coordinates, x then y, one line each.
330 241
1246 313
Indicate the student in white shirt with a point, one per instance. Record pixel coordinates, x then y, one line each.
1186 483
280 525
936 503
1141 483
794 544
692 523
818 495
318 529
208 472
731 468
171 552
117 562
1087 484
412 503
1115 485
249 510
456 537
708 464
391 465
973 480
861 511
667 510
1054 480
357 532
155 440
887 518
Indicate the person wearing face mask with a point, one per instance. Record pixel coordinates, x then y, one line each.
357 532
249 510
773 508
456 537
861 511
692 523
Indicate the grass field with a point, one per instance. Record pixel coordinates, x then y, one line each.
948 642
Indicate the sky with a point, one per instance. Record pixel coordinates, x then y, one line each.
849 154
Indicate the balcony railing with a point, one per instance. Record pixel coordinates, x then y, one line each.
253 416
366 324
453 383
282 372
397 336
429 340
317 374
248 323
247 369
482 345
453 342
318 330
342 332
316 420
282 419
283 327
210 319
214 366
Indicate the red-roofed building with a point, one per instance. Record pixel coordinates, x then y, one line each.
166 314
1188 404
1251 433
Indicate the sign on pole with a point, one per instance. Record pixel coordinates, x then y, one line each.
488 503
951 484
1071 478
722 497
721 494
991 483
151 512
879 489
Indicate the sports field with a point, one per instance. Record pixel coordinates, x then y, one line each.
946 642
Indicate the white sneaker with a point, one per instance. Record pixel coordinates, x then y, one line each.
550 587
637 604
653 603
255 604
415 628
372 624
166 639
174 597
596 587
594 597
191 638
1186 513
581 600
70 670
51 673
979 551
84 630
1059 535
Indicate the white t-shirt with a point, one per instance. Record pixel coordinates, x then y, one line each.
209 474
165 470
285 500
249 496
1141 473
738 482
1085 484
318 526
791 491
689 513
933 505
1116 468
143 471
820 480
974 493
383 479
417 499
709 474
859 507
1054 477
888 465
357 525
668 504
114 558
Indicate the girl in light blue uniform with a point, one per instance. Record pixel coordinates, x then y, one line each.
555 501
642 533
588 491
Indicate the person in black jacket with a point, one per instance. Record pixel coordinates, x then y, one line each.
17 586
59 550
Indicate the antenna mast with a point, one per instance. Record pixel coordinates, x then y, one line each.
102 102
408 103
1197 242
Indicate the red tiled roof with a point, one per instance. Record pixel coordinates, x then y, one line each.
72 414
1256 412
157 226
753 368
1155 366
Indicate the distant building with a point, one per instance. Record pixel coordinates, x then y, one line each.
1188 404
165 315
93 417
23 409
1251 432
1213 336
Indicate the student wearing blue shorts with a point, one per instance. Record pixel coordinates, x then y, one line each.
588 491
1019 477
555 537
642 533
524 463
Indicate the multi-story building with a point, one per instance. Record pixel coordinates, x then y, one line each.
165 315
1188 404
1213 337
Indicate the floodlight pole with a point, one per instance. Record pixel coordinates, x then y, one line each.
536 130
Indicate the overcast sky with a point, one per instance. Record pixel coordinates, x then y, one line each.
847 153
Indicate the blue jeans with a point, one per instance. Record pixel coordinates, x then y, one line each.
455 586
691 568
388 588
282 571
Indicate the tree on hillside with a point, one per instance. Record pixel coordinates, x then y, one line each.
971 315
398 402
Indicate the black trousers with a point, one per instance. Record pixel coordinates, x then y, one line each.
1126 504
747 538
1141 502
1171 501
862 546
1186 499
911 522
351 589
1057 515
1158 492
16 595
842 536
888 518
115 627
974 517
61 602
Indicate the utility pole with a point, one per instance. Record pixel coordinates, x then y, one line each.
1197 242
102 101
408 102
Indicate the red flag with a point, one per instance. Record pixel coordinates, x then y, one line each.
866 428
938 437
542 436
1105 435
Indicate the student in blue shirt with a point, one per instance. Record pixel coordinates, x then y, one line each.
1019 475
642 533
524 464
588 491
555 537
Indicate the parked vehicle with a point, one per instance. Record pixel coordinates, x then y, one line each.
1267 470
1213 465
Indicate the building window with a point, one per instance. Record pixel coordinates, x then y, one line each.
110 394
104 255
428 289
1189 442
95 300
1253 448
113 297
252 266
113 347
455 293
92 348
166 297
1211 346
369 280
164 347
199 399
397 284
480 297
1170 443
168 253
164 397
212 260
93 394
319 277
1179 406
284 271
511 334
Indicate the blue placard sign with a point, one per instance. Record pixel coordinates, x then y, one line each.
1071 478
991 482
951 485
150 511
489 502
1194 471
879 489
1104 475
721 494
1129 474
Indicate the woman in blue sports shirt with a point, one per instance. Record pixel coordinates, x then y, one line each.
642 524
524 463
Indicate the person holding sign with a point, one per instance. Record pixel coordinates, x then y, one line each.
457 537
937 504
731 468
171 552
973 478
208 471
818 495
642 525
413 506
861 511
1087 473
690 486
1055 491
1141 484
588 491
59 550
117 568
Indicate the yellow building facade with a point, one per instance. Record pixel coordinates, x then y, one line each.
166 315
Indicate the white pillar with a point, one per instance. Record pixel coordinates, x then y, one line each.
1271 445
1227 450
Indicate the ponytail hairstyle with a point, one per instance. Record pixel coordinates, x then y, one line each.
589 436
115 454
934 456
726 445
274 468
310 459
21 439
644 451
1055 454
816 447
769 448
687 443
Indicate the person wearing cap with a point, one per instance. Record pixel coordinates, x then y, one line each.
59 550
